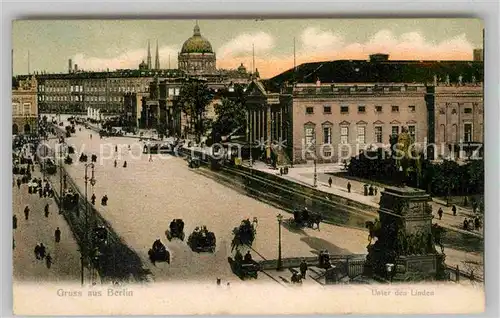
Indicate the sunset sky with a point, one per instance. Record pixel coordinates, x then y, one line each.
119 44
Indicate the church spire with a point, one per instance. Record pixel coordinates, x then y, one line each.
157 58
149 56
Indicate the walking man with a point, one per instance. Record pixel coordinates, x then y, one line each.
18 183
150 157
330 181
454 210
14 222
303 269
440 213
26 212
57 235
92 199
47 210
349 187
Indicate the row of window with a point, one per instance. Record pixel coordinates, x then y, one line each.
344 109
467 110
18 110
79 98
174 91
79 88
466 137
310 134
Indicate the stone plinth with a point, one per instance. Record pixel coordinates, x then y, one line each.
404 237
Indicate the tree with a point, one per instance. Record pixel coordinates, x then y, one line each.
194 98
230 115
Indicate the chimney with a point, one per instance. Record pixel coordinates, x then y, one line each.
76 68
70 65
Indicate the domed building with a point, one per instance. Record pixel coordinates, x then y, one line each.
197 56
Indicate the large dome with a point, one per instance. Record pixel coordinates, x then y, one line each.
197 43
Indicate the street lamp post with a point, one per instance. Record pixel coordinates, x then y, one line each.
61 176
86 241
315 175
280 262
389 267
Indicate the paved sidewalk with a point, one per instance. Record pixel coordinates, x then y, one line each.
304 174
39 229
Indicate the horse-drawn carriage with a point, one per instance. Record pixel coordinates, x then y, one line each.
304 217
244 267
159 253
176 230
83 158
70 200
49 166
244 234
201 240
194 162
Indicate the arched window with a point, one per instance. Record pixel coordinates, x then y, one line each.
442 133
15 129
27 129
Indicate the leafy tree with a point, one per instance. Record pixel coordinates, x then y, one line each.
230 116
194 98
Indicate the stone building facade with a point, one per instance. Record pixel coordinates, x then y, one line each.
24 106
459 120
332 122
75 92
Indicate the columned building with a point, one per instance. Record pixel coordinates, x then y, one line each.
24 105
333 122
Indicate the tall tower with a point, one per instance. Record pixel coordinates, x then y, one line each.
149 56
157 58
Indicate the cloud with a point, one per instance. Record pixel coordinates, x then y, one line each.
126 60
314 39
322 45
314 45
242 45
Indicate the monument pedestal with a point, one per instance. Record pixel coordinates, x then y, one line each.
404 238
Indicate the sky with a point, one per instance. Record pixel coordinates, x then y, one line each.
120 44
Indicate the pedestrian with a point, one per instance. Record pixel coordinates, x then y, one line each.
466 224
42 251
218 281
348 187
476 223
150 157
366 190
37 251
57 235
18 183
330 181
91 136
281 171
125 164
14 222
115 163
48 260
47 210
375 190
454 210
92 199
440 213
303 269
116 148
370 190
26 212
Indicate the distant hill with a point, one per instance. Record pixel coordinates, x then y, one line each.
386 71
